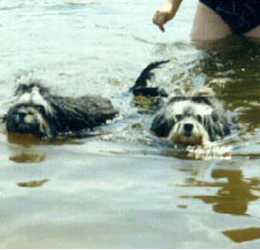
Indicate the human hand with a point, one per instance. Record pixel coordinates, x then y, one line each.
161 17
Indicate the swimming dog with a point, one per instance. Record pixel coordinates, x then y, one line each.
185 119
38 112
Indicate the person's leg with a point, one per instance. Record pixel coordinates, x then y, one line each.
208 25
254 33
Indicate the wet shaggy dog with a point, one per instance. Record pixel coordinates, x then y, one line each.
196 119
192 120
38 112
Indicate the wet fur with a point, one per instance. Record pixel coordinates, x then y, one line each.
60 115
141 84
216 124
213 126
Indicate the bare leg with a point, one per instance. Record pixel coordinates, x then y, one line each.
254 33
208 25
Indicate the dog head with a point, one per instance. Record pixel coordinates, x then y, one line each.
31 111
191 121
188 127
28 119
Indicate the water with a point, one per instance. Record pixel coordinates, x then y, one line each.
124 188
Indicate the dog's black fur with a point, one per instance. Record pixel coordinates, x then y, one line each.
140 87
61 115
217 125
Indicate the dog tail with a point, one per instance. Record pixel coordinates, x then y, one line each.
140 87
146 74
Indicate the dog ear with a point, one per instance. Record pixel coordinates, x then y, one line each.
20 89
222 123
3 119
162 126
216 125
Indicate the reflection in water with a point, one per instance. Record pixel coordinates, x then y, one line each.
234 195
242 235
23 139
182 206
80 2
28 158
32 184
231 67
28 140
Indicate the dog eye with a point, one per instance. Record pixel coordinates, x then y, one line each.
215 117
199 118
178 117
41 109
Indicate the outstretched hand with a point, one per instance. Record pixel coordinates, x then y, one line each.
166 13
161 17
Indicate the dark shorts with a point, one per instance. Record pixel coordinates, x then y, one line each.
241 15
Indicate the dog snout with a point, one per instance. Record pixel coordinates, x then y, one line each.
188 127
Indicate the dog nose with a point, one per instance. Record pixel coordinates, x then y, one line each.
188 127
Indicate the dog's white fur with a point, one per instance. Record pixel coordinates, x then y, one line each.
35 98
37 111
32 115
193 118
188 117
199 134
178 108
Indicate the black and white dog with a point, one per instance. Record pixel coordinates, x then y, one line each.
195 119
38 112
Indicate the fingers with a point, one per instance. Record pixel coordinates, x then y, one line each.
160 19
161 27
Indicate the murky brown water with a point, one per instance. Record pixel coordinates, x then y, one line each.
123 188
